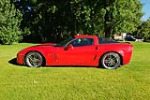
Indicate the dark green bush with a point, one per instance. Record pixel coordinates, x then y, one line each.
10 20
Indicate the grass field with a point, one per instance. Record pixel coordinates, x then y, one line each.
129 82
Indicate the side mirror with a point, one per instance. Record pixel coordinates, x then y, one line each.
70 46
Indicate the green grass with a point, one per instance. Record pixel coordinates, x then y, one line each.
130 82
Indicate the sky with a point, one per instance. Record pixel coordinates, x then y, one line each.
145 9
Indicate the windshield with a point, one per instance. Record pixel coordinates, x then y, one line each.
63 43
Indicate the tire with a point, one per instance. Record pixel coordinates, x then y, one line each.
111 60
33 59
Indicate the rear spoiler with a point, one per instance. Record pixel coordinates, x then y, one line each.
125 42
128 42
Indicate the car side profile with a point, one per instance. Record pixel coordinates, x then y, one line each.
82 50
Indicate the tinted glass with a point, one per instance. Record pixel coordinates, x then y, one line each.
82 42
63 43
106 41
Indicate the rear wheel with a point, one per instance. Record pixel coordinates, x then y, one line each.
34 59
110 60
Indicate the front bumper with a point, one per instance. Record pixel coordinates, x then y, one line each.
20 59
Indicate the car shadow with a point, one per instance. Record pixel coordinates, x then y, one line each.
13 61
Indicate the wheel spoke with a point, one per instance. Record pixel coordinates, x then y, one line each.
109 64
106 61
34 64
37 60
30 57
114 59
109 56
31 61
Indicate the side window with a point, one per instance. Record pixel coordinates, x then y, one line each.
82 42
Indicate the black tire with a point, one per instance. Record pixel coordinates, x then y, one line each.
111 60
34 59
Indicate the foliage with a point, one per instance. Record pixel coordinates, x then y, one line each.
10 20
144 30
53 19
74 83
122 16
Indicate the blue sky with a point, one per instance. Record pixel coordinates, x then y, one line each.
145 9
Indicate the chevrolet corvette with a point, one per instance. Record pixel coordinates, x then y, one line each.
81 50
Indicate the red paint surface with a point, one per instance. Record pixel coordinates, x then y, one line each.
78 56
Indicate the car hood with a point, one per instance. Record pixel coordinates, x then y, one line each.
43 45
48 44
40 48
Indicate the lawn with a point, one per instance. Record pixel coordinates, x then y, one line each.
129 82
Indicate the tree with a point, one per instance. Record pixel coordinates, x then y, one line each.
10 20
121 16
57 18
51 19
143 31
88 16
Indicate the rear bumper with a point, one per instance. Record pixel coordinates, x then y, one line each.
128 55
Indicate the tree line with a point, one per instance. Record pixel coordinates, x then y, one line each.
54 20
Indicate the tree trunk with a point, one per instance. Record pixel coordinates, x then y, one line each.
107 27
108 33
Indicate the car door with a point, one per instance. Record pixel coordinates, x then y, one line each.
81 52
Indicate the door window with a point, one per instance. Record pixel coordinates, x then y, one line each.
82 42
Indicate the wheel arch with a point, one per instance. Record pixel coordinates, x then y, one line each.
44 59
121 57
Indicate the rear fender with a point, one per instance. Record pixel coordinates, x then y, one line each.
121 54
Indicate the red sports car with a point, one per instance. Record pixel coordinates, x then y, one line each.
82 50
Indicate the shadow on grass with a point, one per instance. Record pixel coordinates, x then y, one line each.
13 61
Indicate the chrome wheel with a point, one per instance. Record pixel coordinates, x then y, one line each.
110 60
34 59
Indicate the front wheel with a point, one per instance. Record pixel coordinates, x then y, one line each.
33 59
110 60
